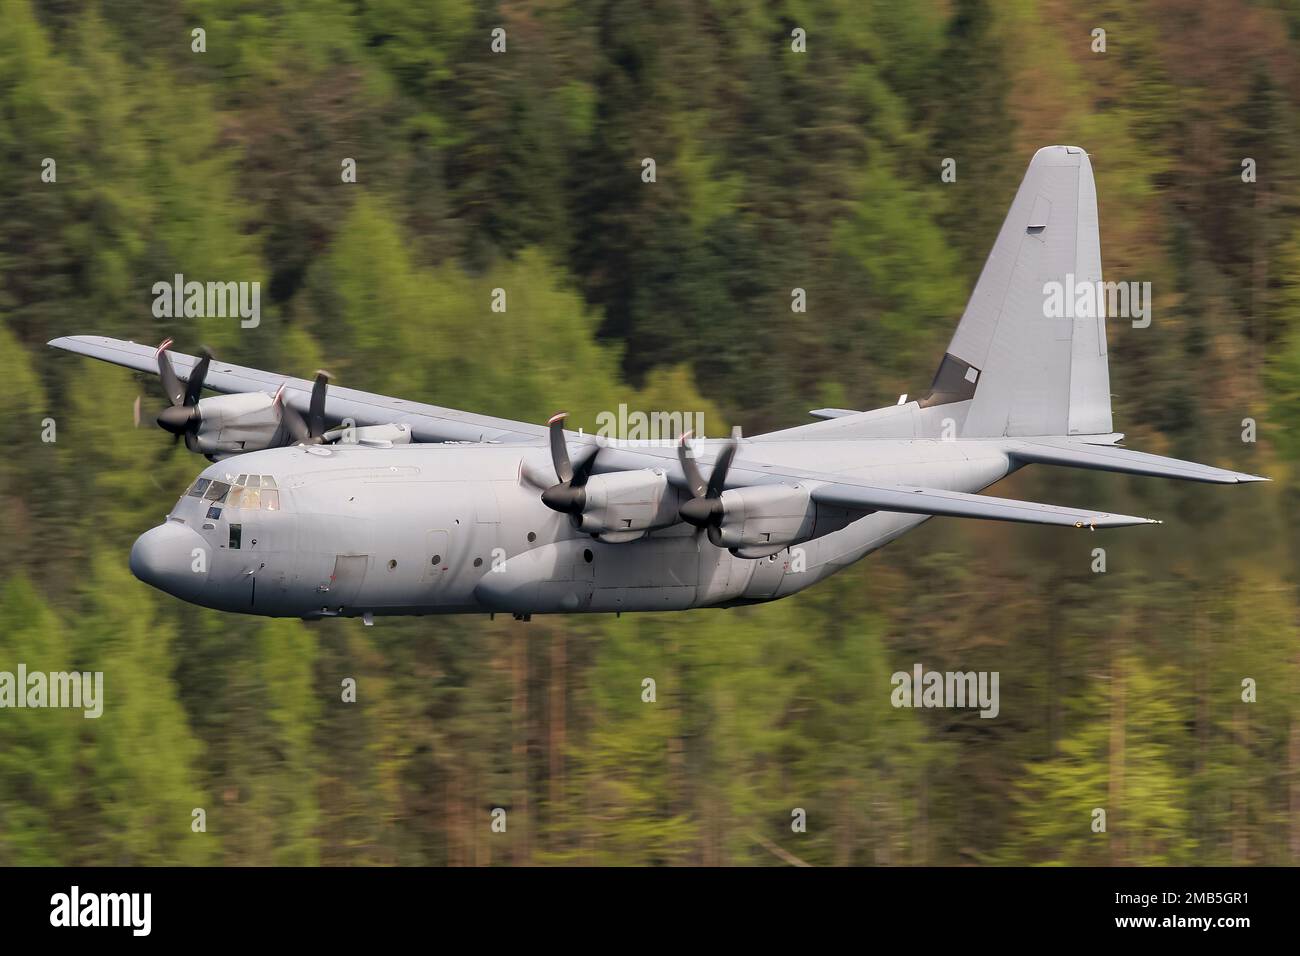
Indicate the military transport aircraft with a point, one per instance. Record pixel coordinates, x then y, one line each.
326 501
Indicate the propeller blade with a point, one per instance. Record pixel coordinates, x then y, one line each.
293 420
705 509
316 412
537 477
583 464
694 480
560 448
167 375
197 377
568 496
720 467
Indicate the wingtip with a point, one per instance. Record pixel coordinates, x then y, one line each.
1115 521
1141 521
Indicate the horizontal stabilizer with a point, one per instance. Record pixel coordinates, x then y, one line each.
832 412
1109 458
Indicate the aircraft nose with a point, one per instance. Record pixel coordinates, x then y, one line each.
164 557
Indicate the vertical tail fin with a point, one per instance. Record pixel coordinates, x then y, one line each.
1024 373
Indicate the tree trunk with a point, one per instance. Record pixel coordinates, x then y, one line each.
519 719
556 736
1116 791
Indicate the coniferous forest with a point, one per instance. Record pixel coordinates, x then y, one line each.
779 165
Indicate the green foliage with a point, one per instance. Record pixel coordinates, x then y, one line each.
141 757
40 750
776 170
1122 760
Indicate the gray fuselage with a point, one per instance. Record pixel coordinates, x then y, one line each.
446 529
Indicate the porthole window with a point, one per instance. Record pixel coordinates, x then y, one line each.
478 562
587 555
392 564
437 558
532 536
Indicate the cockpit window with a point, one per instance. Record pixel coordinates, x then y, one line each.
254 492
199 486
216 492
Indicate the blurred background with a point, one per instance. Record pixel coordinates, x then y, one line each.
775 170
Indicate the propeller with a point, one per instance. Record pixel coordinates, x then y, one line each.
569 496
182 417
704 509
311 430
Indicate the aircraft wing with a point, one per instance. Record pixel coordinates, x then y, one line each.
956 504
854 494
429 423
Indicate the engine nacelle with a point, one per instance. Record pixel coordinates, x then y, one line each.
766 518
232 424
623 505
252 421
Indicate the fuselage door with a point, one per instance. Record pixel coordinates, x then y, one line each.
345 583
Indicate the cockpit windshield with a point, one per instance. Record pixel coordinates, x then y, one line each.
248 491
254 492
216 492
